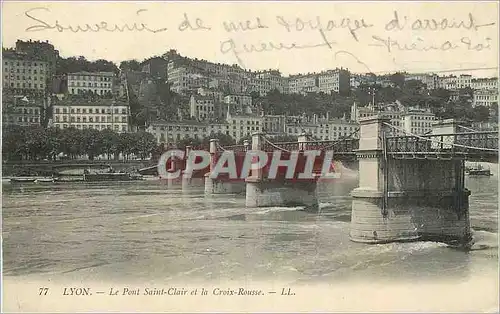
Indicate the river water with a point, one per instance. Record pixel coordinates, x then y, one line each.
120 232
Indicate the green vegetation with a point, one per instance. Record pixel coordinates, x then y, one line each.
37 143
80 64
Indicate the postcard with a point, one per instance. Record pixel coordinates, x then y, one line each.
265 156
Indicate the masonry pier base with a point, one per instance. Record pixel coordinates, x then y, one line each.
268 193
407 198
408 216
221 186
187 182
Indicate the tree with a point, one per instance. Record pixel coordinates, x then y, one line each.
132 65
398 79
12 137
93 144
145 143
110 142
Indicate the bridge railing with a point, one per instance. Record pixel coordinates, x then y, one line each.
269 146
234 148
472 142
344 145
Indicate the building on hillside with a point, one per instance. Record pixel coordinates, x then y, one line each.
334 81
18 110
417 121
243 124
239 103
431 80
321 128
202 107
40 50
392 111
455 82
98 83
23 74
485 97
302 84
211 92
186 79
271 80
328 82
485 83
274 124
81 114
155 67
171 132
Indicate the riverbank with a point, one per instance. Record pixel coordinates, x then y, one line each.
47 168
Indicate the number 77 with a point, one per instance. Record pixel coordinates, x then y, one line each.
43 291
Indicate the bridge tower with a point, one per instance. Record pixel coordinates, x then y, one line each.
264 192
186 180
221 185
407 199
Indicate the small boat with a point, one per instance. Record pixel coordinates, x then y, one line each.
478 170
114 176
482 172
22 180
44 180
68 179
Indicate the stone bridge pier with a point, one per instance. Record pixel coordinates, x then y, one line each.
186 179
221 184
262 191
407 199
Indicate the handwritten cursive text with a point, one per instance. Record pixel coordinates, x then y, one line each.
87 27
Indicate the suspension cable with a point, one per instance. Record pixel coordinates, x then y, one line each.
275 146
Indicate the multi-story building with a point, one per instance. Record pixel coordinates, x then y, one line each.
331 81
170 132
239 103
18 110
270 80
334 81
202 107
243 124
301 84
321 128
98 83
23 74
105 114
274 124
485 83
429 79
417 121
455 82
155 67
185 79
211 92
42 50
485 97
448 82
392 111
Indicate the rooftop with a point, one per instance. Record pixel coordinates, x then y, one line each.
92 73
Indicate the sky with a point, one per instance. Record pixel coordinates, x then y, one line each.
294 37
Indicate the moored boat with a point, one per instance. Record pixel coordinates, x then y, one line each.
478 170
23 180
114 176
44 180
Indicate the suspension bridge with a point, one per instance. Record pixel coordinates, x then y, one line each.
411 187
